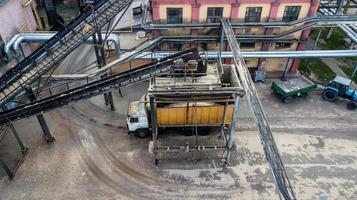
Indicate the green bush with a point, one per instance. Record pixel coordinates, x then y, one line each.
336 41
348 71
318 68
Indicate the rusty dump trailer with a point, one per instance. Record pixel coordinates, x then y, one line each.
194 97
194 114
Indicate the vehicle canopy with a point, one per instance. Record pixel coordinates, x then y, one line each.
342 80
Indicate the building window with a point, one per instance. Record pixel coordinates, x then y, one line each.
253 14
176 46
214 15
137 12
291 13
134 119
174 15
283 45
247 45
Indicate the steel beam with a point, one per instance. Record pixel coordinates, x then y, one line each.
232 130
270 149
41 119
154 130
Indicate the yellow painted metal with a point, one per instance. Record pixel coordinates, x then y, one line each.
35 12
200 115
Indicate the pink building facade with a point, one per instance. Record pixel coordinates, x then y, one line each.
204 11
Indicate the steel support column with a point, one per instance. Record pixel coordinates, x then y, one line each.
354 72
232 130
100 55
6 168
154 129
23 149
338 10
287 69
41 119
221 129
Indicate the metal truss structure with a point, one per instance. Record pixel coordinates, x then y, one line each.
270 149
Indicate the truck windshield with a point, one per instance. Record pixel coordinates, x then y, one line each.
134 120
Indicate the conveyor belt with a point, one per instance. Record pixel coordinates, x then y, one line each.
266 136
53 51
94 88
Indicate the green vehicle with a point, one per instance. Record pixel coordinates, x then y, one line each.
296 87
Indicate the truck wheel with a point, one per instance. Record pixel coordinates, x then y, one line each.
156 162
142 134
329 95
203 131
287 99
351 105
303 94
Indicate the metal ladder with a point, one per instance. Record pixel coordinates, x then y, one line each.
58 47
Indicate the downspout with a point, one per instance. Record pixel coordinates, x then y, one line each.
8 46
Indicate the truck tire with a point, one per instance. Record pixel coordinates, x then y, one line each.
142 134
303 94
287 99
351 105
203 131
329 95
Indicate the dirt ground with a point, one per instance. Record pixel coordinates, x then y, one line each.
94 158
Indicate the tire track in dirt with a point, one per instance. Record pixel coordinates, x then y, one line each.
142 184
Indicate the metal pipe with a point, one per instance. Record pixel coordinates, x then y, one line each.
27 3
213 55
320 20
264 54
349 32
13 46
9 44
